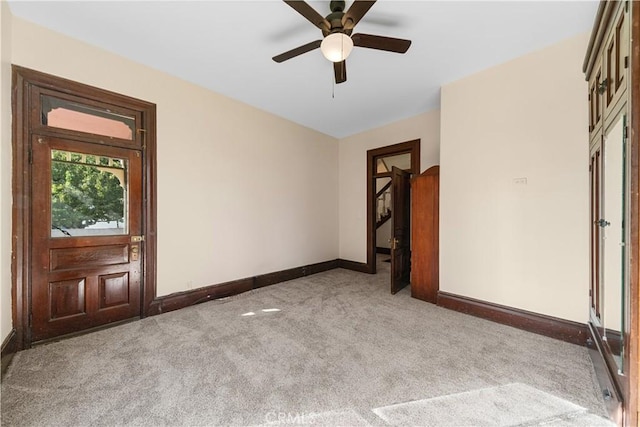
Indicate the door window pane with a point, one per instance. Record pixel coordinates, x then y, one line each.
64 114
401 161
88 195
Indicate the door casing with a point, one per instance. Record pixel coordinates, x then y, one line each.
23 79
412 147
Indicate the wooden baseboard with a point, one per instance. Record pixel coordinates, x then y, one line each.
9 349
352 265
384 251
565 330
184 299
293 273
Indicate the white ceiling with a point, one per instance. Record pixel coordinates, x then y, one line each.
227 46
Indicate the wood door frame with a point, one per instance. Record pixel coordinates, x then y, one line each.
22 80
412 147
632 334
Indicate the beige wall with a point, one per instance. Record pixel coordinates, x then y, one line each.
353 173
240 191
383 234
5 171
521 245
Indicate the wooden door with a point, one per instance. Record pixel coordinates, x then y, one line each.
400 226
425 199
86 245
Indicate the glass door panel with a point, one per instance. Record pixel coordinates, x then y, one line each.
65 114
613 240
89 195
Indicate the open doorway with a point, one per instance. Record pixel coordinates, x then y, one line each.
380 198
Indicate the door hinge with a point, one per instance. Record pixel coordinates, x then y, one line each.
30 156
626 6
143 134
626 132
30 319
626 62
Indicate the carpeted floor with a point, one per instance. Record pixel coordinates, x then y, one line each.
330 349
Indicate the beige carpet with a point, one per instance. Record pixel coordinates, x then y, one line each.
324 350
507 405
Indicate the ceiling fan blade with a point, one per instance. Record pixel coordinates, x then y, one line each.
297 51
355 13
340 71
310 13
381 43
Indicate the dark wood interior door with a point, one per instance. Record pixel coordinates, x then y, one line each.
86 243
425 235
400 229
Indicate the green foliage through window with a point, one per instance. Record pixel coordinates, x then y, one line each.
83 194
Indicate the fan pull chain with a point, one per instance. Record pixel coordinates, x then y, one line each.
342 54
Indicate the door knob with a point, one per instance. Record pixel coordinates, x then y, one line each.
603 223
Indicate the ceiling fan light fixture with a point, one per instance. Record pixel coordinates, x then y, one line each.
336 47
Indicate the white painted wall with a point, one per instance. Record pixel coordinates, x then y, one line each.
353 173
383 234
241 192
524 246
6 323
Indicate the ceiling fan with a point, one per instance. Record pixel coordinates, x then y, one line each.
336 30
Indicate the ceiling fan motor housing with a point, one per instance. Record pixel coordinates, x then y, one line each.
335 19
337 6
